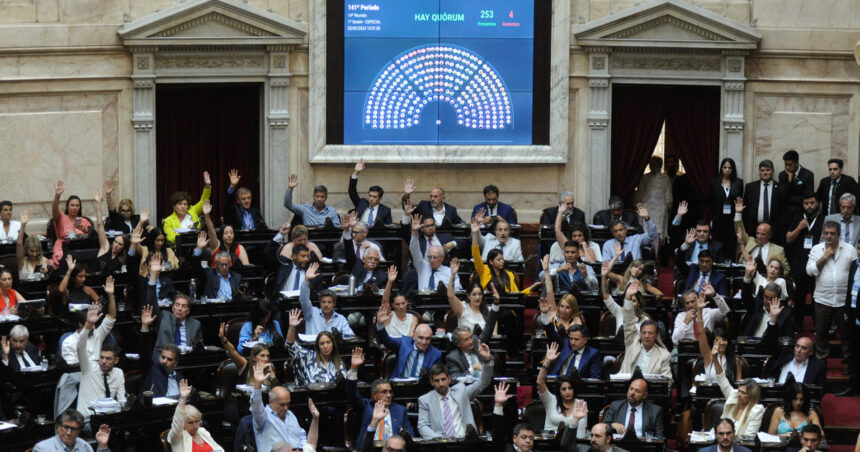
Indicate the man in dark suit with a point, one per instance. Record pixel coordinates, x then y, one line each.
725 433
572 213
160 375
763 203
413 353
428 235
696 241
494 208
238 211
394 443
175 327
463 359
156 285
575 353
796 181
366 270
804 232
616 211
852 324
524 435
832 187
17 351
369 210
798 360
380 391
635 412
703 274
291 271
682 193
435 208
219 282
759 307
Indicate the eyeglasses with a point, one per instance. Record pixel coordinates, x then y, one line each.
69 428
222 264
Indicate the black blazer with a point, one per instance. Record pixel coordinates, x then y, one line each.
717 197
755 310
502 441
628 217
847 184
797 254
154 374
212 279
717 280
442 236
30 350
750 213
233 213
426 210
114 222
853 314
548 215
652 420
816 371
803 185
684 256
383 213
146 294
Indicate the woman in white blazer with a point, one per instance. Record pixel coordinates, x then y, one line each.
186 434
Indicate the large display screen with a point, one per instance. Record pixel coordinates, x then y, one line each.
438 71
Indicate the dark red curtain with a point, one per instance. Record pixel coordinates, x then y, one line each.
211 128
638 112
693 123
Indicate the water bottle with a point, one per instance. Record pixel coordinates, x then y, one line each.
192 288
352 284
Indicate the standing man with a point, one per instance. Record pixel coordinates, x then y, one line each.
436 208
829 263
852 323
796 181
804 232
847 218
830 189
763 200
494 208
238 211
682 192
313 214
369 210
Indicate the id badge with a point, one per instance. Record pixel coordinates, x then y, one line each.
807 242
727 209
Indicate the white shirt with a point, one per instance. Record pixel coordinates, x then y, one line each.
762 326
459 427
684 330
439 215
187 222
366 214
645 358
637 419
92 381
511 250
761 250
94 342
799 370
831 282
291 280
770 199
12 235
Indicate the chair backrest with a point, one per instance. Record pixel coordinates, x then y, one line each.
358 323
234 327
607 324
535 415
768 415
685 427
698 366
451 321
226 378
389 361
618 361
165 446
743 367
603 411
245 434
133 379
478 414
713 412
351 427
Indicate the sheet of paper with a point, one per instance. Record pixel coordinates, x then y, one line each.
768 438
161 401
290 293
307 337
6 425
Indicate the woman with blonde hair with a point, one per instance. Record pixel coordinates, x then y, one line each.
563 315
31 261
186 434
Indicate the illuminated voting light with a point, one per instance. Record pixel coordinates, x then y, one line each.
438 73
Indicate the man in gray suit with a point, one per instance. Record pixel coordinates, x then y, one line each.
725 432
445 411
175 327
636 412
463 359
849 221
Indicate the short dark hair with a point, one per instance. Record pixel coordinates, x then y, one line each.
791 156
572 243
330 294
171 348
766 163
615 202
648 322
617 221
437 369
838 162
178 296
706 253
491 189
321 189
725 420
811 428
111 348
377 189
70 415
299 248
704 223
374 385
579 329
523 426
833 225
5 203
178 197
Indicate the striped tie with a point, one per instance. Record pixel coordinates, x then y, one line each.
449 419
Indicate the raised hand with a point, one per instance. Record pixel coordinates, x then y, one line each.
618 249
207 207
313 271
562 209
259 373
501 394
408 187
359 166
258 330
108 285
392 273
682 208
295 317
496 296
70 263
136 235
641 210
94 314
379 412
691 236
155 265
25 217
709 290
383 315
484 352
455 266
5 346
285 229
476 225
605 268
59 188
357 358
222 332
632 289
701 301
184 389
202 240
580 409
109 186
147 318
739 205
551 353
408 208
352 219
416 222
97 196
479 216
207 181
144 215
313 408
103 437
233 174
544 263
750 266
293 181
775 308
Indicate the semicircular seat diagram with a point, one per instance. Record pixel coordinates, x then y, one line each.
438 73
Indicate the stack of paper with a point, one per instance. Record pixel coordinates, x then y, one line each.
702 437
161 401
768 438
105 406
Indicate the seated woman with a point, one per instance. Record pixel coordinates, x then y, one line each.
560 316
496 273
636 270
8 297
795 412
154 244
724 353
68 224
9 228
122 217
227 242
298 236
562 407
245 366
111 257
774 275
31 263
742 405
613 306
589 251
402 323
320 365
261 326
72 288
183 216
186 434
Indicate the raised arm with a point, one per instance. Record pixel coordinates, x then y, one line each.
559 235
305 290
207 192
64 283
550 357
108 288
704 348
292 182
55 204
104 245
630 333
414 248
109 186
214 243
231 350
550 290
389 284
295 321
453 301
20 255
313 430
178 424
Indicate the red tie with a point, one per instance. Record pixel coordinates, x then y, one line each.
631 423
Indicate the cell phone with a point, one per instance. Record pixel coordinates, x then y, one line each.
38 268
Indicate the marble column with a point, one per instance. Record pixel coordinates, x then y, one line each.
276 163
732 139
599 150
143 121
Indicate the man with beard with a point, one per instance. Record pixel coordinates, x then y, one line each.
725 433
804 232
435 208
601 439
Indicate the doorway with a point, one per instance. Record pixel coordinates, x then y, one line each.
212 128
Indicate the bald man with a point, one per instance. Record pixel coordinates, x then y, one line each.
275 422
435 208
413 353
798 360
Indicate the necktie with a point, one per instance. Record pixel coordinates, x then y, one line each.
702 283
831 202
298 279
847 232
766 209
621 257
370 216
358 251
449 419
382 430
413 363
177 335
107 387
572 364
432 283
631 423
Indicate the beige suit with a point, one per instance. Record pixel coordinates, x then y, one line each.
661 360
773 250
180 440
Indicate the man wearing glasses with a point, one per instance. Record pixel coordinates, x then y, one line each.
221 283
69 425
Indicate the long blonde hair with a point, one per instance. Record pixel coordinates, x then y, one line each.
753 398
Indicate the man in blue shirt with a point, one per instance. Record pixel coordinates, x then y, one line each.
313 214
274 422
321 318
631 246
69 424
